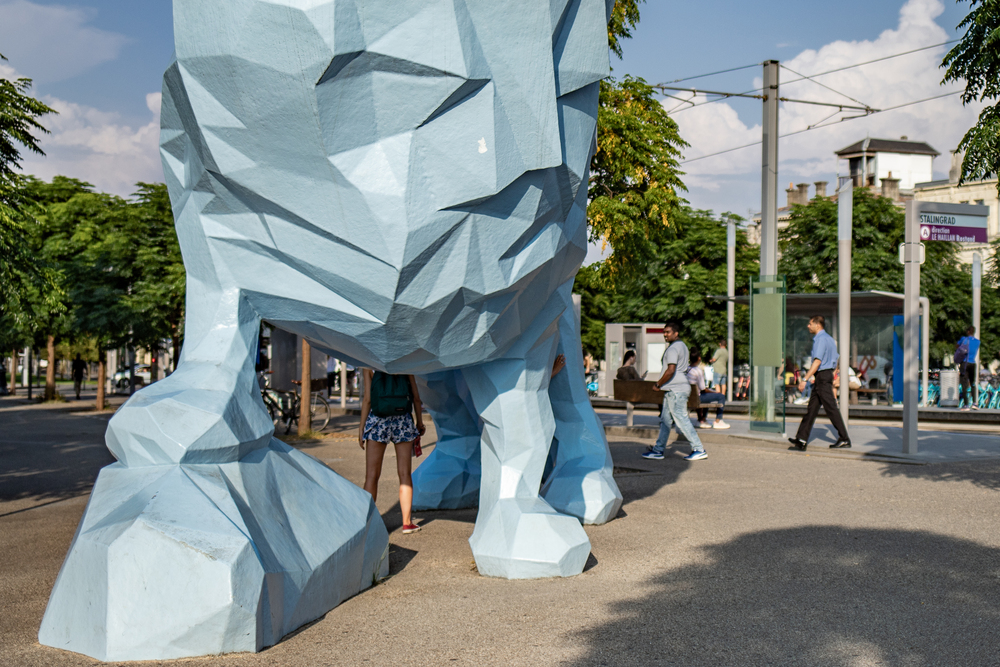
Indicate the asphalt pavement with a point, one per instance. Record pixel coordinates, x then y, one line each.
755 556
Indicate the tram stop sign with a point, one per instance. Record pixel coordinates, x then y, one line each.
964 223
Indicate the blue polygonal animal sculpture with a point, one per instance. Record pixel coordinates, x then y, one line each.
403 184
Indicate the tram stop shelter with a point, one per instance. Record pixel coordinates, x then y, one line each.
876 331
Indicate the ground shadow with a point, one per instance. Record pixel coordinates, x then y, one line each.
640 478
985 474
813 596
50 454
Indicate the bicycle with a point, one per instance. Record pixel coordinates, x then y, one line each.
283 407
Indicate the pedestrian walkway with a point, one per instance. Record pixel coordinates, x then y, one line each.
872 440
756 556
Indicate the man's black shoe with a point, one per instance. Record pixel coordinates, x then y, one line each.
799 444
841 444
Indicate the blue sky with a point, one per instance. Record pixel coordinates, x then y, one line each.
100 63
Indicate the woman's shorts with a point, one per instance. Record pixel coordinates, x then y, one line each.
395 429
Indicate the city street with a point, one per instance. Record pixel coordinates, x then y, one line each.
756 556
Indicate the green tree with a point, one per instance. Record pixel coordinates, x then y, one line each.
809 261
634 177
50 240
20 271
687 269
158 295
976 61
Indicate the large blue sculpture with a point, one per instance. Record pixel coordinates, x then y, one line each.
404 184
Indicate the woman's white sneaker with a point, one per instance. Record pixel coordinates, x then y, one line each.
720 424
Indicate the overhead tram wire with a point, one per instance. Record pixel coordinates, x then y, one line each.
822 124
869 62
822 84
749 93
721 71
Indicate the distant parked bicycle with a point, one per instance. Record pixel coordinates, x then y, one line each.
989 396
283 408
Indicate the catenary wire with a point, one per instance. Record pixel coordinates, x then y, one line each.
821 125
721 71
825 86
811 76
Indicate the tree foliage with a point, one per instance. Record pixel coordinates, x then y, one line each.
624 18
116 263
976 61
634 176
686 270
809 261
20 271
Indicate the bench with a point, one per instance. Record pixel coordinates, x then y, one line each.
873 393
644 392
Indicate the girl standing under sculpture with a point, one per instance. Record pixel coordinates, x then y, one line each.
388 406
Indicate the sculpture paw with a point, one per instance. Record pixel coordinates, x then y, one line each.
527 539
592 496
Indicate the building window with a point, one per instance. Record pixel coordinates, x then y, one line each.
980 201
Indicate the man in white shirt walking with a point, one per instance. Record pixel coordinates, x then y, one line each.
676 389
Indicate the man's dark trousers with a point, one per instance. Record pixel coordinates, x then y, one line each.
822 393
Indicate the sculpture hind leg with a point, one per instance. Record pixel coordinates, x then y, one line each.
209 535
518 535
449 477
582 482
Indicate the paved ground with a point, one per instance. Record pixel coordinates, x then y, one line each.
937 442
755 556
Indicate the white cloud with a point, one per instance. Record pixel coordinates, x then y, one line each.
53 42
732 181
95 146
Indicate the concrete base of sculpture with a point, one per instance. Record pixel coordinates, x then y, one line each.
173 561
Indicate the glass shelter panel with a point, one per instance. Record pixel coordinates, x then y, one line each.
767 354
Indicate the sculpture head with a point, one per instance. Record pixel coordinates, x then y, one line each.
401 182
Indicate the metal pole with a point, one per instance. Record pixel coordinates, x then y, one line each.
730 305
911 324
977 302
769 174
845 211
925 345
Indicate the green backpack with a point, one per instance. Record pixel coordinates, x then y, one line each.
390 395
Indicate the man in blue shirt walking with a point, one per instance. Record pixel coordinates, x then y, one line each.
825 357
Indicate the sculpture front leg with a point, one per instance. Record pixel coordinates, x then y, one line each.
518 535
449 477
209 535
582 481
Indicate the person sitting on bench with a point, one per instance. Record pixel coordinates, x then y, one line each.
627 371
700 395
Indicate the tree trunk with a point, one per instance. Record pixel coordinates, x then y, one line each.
305 391
50 371
13 373
102 377
176 347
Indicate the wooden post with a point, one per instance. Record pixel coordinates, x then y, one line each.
102 376
50 371
305 391
343 383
